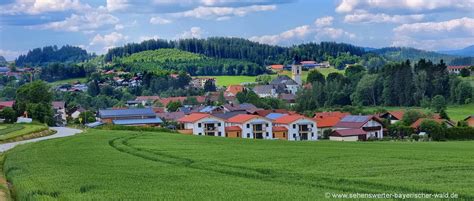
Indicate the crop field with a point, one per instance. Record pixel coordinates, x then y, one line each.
127 165
10 131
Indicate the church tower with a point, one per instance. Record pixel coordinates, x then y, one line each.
296 71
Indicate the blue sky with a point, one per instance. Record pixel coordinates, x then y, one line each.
97 25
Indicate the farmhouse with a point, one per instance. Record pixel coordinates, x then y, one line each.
252 126
136 117
470 120
295 127
456 69
202 124
232 90
327 120
354 125
393 116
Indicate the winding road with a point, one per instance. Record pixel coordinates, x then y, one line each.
60 132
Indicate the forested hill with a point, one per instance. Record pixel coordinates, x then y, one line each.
49 54
243 49
412 54
3 61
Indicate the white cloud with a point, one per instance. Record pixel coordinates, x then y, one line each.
159 20
404 5
86 23
449 34
194 32
116 5
365 17
10 55
143 38
462 25
34 7
119 27
324 21
223 13
108 41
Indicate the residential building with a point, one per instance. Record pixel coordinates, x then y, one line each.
295 128
470 120
456 69
285 84
393 116
201 81
327 120
202 124
416 125
252 126
364 127
232 90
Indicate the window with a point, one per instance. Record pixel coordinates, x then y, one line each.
267 134
219 124
294 126
220 134
200 134
238 134
284 135
199 125
266 125
294 135
248 135
248 125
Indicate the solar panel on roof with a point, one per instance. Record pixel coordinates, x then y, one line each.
353 118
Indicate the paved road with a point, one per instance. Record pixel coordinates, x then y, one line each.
61 132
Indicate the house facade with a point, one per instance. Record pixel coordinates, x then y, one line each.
130 117
252 126
295 128
364 126
202 124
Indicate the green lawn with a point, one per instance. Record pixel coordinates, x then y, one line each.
16 130
226 80
126 165
69 81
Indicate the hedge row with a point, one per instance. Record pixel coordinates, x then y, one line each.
459 133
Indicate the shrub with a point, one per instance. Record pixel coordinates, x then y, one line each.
415 137
460 133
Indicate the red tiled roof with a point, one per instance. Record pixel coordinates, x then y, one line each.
331 114
58 104
288 119
241 118
7 103
145 98
264 113
325 122
277 67
279 128
418 122
191 118
234 89
232 128
456 67
348 132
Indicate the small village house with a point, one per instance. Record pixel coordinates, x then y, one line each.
131 117
456 69
470 120
416 125
393 116
252 126
233 90
327 120
295 127
202 124
357 128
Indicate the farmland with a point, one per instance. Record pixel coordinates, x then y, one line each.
126 165
8 132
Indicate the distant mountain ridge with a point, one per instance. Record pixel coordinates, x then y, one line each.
3 61
467 51
412 54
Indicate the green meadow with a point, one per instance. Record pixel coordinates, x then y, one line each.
128 165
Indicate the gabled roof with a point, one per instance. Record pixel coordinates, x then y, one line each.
7 103
469 117
234 89
283 79
241 107
354 121
58 104
263 89
274 116
191 118
232 128
397 114
264 113
277 67
146 98
242 118
228 115
171 116
279 129
290 119
348 132
148 112
325 122
331 114
418 122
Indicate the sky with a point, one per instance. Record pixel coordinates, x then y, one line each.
97 25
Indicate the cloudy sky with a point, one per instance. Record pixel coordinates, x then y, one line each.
97 25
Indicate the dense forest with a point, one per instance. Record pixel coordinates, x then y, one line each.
399 54
49 54
194 64
242 49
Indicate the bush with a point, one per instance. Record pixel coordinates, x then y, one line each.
415 137
459 133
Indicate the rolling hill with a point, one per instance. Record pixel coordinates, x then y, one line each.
467 52
404 53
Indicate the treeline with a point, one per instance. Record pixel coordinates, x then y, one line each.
464 61
242 49
396 84
49 54
399 54
60 71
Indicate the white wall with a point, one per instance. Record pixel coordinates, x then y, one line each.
379 133
196 129
349 138
313 135
249 131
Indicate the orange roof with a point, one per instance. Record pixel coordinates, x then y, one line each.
277 67
193 117
241 118
418 122
234 89
325 122
288 119
397 114
233 128
279 128
331 114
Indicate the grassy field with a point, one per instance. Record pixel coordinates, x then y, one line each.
226 80
11 131
126 165
455 112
